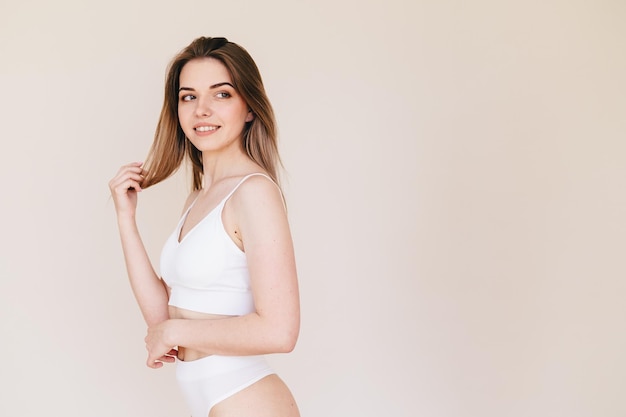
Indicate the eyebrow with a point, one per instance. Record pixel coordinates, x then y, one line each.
211 87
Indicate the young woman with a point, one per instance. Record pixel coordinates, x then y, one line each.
228 292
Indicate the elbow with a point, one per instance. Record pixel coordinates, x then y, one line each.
285 340
280 332
286 344
289 343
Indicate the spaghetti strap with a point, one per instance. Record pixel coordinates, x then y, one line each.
252 175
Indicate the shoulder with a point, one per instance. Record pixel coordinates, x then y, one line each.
257 188
258 196
259 213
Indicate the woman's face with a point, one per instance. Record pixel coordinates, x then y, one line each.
211 113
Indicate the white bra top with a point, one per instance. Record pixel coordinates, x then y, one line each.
206 270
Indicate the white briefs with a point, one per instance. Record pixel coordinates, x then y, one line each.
209 380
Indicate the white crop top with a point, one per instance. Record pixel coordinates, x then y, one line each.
206 270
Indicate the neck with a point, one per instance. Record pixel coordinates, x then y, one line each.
219 165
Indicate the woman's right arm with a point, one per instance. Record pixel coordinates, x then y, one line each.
149 290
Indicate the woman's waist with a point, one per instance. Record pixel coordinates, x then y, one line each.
188 354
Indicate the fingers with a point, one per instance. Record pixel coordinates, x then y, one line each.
154 364
128 177
169 357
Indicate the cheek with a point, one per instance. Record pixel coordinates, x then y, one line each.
183 120
181 111
183 115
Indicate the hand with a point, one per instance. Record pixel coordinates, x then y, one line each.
125 186
159 350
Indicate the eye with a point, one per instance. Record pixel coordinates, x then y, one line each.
223 94
187 97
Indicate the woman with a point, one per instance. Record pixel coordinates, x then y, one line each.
229 291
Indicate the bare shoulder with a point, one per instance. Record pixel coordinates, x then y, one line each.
256 214
258 192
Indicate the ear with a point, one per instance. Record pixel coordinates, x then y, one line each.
250 116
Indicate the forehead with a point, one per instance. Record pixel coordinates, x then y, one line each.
203 72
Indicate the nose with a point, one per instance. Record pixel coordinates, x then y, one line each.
203 108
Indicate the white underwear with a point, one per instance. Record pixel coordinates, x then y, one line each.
209 380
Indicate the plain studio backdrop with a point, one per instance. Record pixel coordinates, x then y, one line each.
456 189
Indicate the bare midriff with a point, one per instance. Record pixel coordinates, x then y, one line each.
187 354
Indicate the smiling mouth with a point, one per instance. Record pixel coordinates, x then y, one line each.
205 128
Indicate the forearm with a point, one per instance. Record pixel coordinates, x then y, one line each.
147 287
251 334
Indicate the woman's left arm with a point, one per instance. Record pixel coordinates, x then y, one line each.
274 326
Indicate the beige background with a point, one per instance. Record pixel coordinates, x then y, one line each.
456 176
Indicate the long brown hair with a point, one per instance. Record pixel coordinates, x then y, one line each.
259 136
